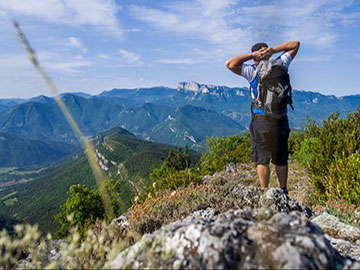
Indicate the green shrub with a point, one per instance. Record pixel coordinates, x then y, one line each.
295 140
330 155
225 150
175 172
175 161
81 209
84 206
343 179
347 213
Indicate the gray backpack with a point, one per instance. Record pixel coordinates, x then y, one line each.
274 89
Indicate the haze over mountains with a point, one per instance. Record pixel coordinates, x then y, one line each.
182 116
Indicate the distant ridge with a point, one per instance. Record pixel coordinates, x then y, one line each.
19 152
149 112
41 119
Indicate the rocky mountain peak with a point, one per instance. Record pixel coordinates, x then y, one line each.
189 86
197 87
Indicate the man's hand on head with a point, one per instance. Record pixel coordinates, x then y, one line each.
269 52
259 54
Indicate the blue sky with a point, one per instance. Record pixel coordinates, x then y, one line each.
96 45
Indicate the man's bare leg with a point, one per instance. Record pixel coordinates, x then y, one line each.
263 172
282 174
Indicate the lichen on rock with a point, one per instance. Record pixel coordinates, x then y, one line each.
235 239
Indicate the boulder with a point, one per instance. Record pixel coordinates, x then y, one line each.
343 237
235 239
334 227
278 201
121 221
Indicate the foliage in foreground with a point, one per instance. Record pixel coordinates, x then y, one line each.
331 156
85 206
348 214
101 245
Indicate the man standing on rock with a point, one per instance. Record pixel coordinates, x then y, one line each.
270 93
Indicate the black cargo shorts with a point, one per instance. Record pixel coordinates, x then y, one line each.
269 138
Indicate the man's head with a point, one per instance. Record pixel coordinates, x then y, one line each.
258 47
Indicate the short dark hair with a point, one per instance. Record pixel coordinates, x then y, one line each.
258 46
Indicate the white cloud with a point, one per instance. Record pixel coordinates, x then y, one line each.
76 43
129 57
69 67
103 56
356 55
98 13
179 61
19 65
231 26
132 30
157 17
15 64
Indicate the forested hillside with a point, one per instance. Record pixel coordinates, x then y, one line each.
39 200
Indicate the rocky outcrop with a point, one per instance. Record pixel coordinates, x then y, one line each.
334 227
248 229
343 237
122 221
278 201
236 239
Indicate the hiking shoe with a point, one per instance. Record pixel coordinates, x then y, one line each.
285 191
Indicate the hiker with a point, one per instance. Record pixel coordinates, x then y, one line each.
269 127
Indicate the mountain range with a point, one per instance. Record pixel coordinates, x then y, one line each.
183 116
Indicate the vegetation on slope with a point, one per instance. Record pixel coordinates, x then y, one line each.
169 198
331 155
39 200
19 152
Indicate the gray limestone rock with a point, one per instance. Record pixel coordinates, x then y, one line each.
206 179
276 200
334 227
121 221
235 239
345 248
343 237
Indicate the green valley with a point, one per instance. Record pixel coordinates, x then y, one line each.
121 155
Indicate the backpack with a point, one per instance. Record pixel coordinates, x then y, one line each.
274 91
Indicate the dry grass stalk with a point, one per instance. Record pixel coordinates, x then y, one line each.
87 144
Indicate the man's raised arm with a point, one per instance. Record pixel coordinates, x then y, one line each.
235 63
291 47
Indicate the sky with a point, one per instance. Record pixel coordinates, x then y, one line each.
96 45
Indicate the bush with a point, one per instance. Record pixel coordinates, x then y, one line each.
175 161
343 179
101 245
295 140
175 172
84 206
330 155
225 150
347 213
